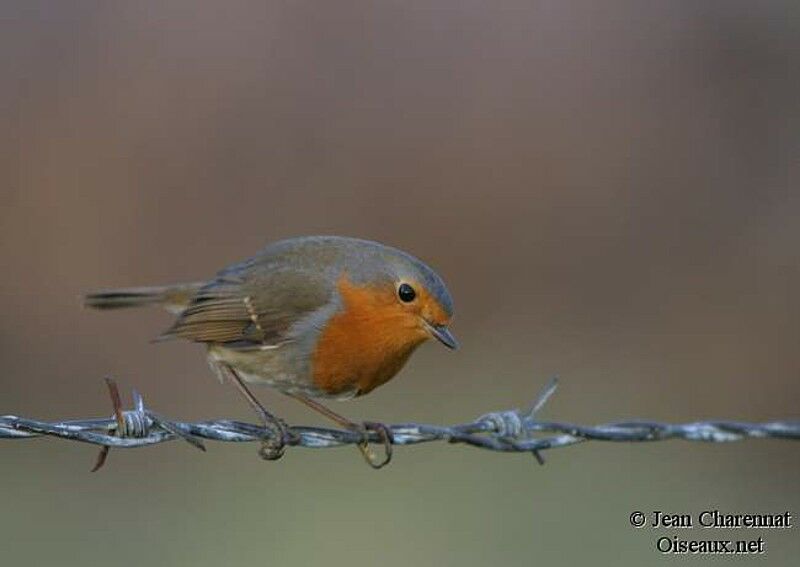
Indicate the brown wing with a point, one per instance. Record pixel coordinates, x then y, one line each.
249 306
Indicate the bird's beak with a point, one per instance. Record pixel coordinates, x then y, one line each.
442 334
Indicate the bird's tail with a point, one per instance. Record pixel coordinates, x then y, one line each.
174 298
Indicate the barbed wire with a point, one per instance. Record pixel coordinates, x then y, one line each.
506 431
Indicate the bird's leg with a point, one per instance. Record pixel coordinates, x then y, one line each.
273 448
363 428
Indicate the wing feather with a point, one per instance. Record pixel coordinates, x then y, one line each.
252 306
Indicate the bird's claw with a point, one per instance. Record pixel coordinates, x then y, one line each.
277 435
386 437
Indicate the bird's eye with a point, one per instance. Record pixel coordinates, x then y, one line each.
406 293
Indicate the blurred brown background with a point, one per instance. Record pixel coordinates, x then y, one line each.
610 190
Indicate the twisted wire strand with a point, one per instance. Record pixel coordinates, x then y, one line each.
506 431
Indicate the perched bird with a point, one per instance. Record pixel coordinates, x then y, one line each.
313 317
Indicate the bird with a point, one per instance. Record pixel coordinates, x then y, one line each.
314 317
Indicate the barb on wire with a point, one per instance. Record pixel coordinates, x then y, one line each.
513 431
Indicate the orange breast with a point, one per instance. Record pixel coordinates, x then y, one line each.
366 343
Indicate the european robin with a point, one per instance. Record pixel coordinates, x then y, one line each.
313 317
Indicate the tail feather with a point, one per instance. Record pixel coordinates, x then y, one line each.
173 298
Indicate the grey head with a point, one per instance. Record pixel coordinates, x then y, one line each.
366 262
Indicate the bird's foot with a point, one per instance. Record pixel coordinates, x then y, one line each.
277 435
387 439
